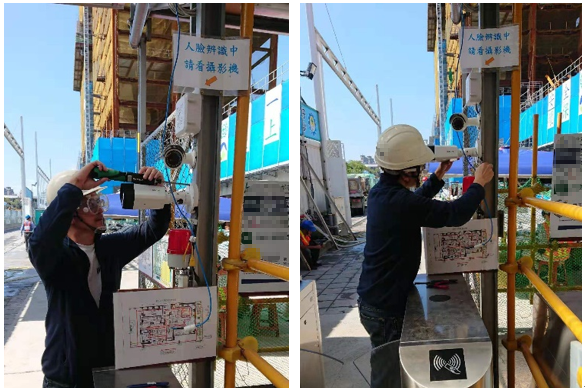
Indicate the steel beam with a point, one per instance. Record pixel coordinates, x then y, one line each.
532 46
142 65
341 72
489 18
23 170
8 135
319 88
209 22
273 59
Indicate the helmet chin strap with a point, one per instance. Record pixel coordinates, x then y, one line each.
96 230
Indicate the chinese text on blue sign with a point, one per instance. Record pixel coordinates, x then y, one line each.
490 48
212 63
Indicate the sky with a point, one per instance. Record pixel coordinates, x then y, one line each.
384 44
38 85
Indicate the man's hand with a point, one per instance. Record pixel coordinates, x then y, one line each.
443 168
151 173
83 180
484 173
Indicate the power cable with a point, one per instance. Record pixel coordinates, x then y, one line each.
332 27
169 176
459 138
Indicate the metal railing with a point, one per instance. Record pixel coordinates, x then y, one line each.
547 88
280 74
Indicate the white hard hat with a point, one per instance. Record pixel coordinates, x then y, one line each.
401 147
57 182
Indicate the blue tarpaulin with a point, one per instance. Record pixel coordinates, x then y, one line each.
545 163
115 209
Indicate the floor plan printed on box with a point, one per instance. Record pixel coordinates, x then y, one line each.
162 324
459 245
462 249
156 326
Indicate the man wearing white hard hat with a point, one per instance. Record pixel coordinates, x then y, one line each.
392 254
81 269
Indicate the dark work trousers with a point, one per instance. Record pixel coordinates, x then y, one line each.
27 236
311 255
384 360
48 383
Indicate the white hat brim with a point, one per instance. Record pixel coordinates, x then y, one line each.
94 190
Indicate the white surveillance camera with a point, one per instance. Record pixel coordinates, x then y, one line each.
459 122
175 156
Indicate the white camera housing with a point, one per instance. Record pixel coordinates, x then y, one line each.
144 197
459 122
188 115
473 89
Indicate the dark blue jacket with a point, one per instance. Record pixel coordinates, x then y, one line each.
80 336
392 253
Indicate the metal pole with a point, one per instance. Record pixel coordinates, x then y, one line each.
22 170
210 22
512 209
489 18
391 114
141 95
379 116
50 169
142 67
238 187
319 88
534 172
37 169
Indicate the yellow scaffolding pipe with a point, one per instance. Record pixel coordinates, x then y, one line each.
561 309
571 211
580 376
268 268
266 369
533 182
512 208
243 104
524 343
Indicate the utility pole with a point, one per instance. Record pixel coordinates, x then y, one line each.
489 18
391 114
319 89
210 23
141 111
50 170
37 170
379 116
22 170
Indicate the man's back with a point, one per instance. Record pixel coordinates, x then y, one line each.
393 248
393 236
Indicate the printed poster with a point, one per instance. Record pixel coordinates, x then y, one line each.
551 110
566 100
461 249
225 132
152 326
272 110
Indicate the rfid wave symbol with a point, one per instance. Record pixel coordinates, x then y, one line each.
452 365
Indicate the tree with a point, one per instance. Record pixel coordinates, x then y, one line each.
357 167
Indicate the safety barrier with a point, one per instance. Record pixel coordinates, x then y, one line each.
524 264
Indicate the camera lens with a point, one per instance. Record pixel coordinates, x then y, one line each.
174 156
458 123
